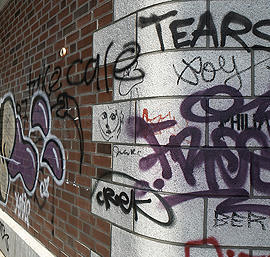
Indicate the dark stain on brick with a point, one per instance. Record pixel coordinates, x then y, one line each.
30 14
69 28
82 10
104 148
40 46
15 62
51 22
18 46
17 13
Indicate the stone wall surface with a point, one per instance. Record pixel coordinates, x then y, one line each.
149 138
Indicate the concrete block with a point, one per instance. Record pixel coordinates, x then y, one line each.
187 72
125 7
261 253
104 207
114 122
204 251
240 223
159 111
248 13
119 33
136 246
188 223
261 72
151 40
136 164
261 178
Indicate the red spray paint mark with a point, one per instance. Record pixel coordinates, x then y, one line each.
214 242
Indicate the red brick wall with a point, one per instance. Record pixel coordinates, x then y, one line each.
32 34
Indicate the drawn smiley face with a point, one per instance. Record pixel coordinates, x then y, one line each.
110 124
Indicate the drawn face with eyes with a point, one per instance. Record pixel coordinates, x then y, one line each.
110 124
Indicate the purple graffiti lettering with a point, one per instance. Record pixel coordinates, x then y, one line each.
20 156
234 165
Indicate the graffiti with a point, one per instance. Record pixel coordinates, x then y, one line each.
234 172
107 197
121 71
43 188
20 155
213 241
4 235
22 207
130 72
207 27
110 124
239 220
159 118
155 19
7 143
125 152
84 79
65 103
206 70
40 82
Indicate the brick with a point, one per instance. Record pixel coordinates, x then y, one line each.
83 181
104 174
73 6
51 58
40 46
69 251
75 222
43 36
61 213
89 28
84 20
87 240
63 13
54 249
105 20
85 42
64 206
69 28
54 11
102 250
103 225
71 230
58 242
83 203
61 234
92 4
63 4
51 40
51 22
46 8
54 29
66 21
105 97
82 10
103 161
104 148
81 248
74 36
101 10
100 236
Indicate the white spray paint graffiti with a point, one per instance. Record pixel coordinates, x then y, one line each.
22 207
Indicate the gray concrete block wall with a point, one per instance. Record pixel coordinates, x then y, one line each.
190 170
